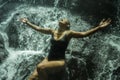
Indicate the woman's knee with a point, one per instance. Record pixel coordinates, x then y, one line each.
33 77
41 67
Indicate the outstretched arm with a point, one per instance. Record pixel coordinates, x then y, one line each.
40 29
101 25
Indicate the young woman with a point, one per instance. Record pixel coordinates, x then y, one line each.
59 42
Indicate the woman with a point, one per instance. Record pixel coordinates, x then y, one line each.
59 42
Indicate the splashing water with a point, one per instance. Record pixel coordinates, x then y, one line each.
56 3
33 46
31 43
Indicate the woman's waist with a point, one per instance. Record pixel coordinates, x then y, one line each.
56 57
58 49
57 52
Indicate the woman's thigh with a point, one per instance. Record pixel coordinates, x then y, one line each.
53 66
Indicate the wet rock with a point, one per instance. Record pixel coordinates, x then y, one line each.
116 74
93 8
116 71
3 51
77 69
12 33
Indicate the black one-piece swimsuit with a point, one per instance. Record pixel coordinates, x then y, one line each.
57 48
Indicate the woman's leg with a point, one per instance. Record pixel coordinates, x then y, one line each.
49 66
34 75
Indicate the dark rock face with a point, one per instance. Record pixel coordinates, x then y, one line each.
93 8
77 69
5 9
3 51
116 73
98 54
12 34
97 8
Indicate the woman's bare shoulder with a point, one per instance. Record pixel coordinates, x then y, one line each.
68 32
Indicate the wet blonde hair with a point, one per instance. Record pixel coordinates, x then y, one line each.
68 23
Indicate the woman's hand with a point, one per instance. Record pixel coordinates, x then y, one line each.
104 23
24 20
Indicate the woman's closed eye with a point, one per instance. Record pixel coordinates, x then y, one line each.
61 19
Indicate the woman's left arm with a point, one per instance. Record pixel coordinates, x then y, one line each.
101 25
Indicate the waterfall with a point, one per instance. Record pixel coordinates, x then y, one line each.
56 3
3 4
102 50
32 45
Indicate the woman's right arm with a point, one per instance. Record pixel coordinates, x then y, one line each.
37 28
104 23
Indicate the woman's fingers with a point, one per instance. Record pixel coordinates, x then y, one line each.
108 20
23 20
105 21
102 21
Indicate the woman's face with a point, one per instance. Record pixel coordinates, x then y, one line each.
63 23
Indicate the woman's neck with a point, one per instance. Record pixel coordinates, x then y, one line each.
61 30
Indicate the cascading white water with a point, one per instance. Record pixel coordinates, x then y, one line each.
56 3
31 43
33 46
3 4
